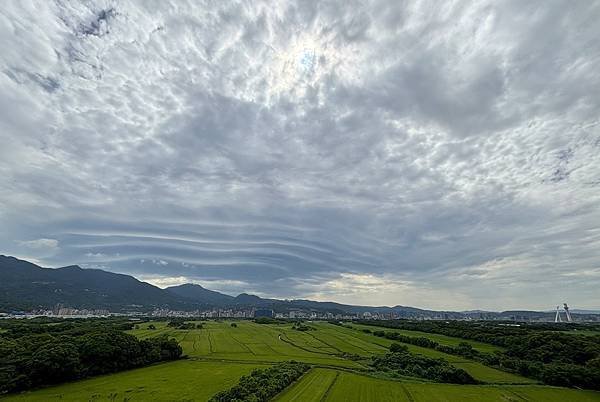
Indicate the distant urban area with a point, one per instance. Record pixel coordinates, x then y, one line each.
305 314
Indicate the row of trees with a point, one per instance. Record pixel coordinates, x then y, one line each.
29 360
178 323
269 320
263 384
401 362
299 326
15 327
537 342
553 357
463 349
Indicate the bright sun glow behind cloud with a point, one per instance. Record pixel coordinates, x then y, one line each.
303 62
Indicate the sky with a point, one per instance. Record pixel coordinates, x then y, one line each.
441 155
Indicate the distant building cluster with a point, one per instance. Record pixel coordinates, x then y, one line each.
62 312
213 313
269 313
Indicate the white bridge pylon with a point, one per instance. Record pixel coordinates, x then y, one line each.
557 317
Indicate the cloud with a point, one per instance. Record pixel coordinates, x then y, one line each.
35 250
40 244
381 151
164 282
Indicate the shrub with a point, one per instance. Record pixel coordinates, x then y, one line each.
404 363
262 385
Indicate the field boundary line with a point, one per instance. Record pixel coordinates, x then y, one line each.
371 341
243 345
289 342
330 387
515 393
407 393
326 343
350 343
210 345
290 386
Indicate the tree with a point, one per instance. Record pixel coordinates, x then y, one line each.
398 348
55 362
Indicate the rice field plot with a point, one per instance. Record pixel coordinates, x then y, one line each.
184 380
248 341
491 375
224 342
441 339
346 341
312 387
365 344
478 370
270 343
308 341
144 332
381 345
329 386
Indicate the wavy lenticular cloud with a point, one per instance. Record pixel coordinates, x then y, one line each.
370 152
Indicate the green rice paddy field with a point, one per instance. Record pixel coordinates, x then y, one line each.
218 354
324 385
184 380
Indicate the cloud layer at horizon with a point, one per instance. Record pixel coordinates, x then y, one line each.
383 152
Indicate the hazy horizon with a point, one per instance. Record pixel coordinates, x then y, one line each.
437 155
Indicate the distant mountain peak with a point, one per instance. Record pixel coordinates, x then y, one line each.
27 286
199 294
189 285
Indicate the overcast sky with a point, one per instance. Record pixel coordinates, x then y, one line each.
433 154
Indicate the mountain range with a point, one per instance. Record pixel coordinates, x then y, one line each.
27 286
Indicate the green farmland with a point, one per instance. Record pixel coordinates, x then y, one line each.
262 343
336 386
185 380
441 339
218 354
253 342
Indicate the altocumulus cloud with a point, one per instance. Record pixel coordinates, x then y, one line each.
442 155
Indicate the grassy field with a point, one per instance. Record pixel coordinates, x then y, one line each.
321 385
441 339
185 380
380 345
218 354
250 342
271 343
311 387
